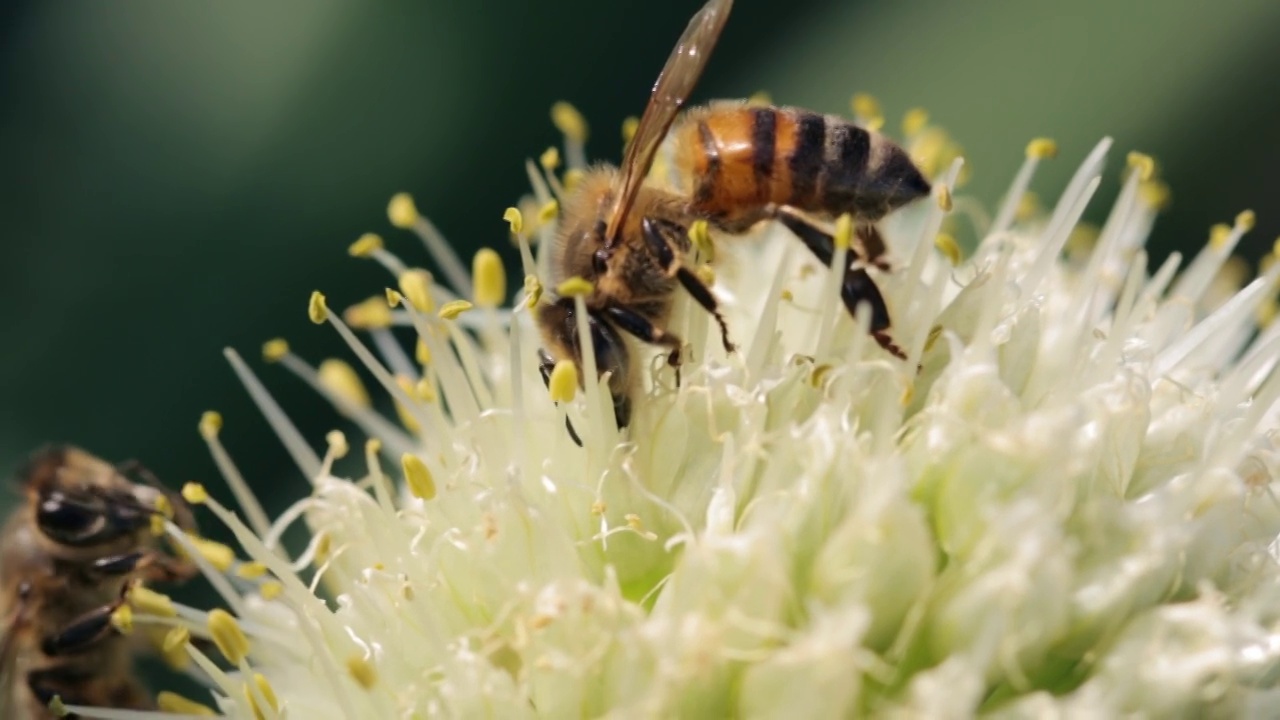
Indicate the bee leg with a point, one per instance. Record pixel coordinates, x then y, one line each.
636 324
857 287
47 683
151 566
84 631
873 247
546 364
670 262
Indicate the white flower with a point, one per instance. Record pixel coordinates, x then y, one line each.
1066 511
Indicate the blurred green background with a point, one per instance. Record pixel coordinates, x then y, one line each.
177 177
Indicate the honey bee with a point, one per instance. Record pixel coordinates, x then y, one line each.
737 165
68 557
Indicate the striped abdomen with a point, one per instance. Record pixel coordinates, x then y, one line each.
735 159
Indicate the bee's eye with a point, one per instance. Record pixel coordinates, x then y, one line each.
66 520
600 262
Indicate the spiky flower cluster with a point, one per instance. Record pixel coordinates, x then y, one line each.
1059 504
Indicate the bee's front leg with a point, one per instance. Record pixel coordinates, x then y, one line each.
656 234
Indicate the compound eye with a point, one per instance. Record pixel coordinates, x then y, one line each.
600 262
66 520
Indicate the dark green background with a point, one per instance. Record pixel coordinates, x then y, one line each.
178 177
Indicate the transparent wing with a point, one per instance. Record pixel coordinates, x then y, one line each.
670 91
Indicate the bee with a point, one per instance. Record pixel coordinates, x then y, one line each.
737 165
68 556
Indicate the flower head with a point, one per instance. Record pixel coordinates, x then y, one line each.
1060 502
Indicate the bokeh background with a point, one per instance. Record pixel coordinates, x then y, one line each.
177 177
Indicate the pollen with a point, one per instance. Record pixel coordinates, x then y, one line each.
149 601
867 109
550 158
454 308
1028 206
402 212
172 702
947 245
563 384
425 391
274 350
337 441
195 493
339 378
1218 235
365 246
271 589
251 570
268 693
759 98
944 198
163 506
629 127
490 278
316 309
176 639
700 237
219 555
122 619
394 298
532 290
1246 220
914 121
572 177
210 424
418 476
227 635
548 212
406 417
368 314
415 285
569 121
1142 164
1155 193
706 274
422 352
574 287
515 220
57 707
362 671
844 231
1042 149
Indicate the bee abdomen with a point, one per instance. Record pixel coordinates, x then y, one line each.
736 159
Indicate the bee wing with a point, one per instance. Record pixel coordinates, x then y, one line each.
671 89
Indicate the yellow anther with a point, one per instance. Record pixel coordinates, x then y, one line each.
490 278
563 384
706 274
786 295
366 245
418 476
394 298
819 374
532 290
251 570
633 521
914 121
146 600
629 127
548 212
514 219
316 308
275 349
210 424
58 708
454 308
944 198
220 556
271 589
171 702
163 506
362 671
759 98
1082 239
422 352
1275 248
844 231
1142 164
176 638
569 121
407 418
948 246
549 159
368 314
1042 149
268 693
571 178
1218 235
599 507
574 287
908 394
372 446
700 237
228 636
339 378
1266 313
935 332
195 493
122 619
425 391
1028 206
415 284
1246 220
401 211
1155 193
337 441
324 546
866 108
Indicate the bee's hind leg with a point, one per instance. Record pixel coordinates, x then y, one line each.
666 256
857 287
